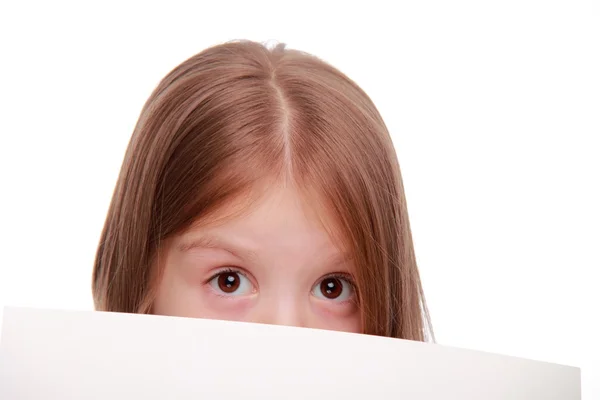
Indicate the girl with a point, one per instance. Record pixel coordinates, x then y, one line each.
261 185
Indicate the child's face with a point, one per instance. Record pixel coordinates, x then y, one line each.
274 265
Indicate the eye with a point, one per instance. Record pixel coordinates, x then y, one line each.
232 283
336 288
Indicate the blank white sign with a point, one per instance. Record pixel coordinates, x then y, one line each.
49 354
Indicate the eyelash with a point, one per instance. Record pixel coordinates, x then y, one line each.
340 275
228 270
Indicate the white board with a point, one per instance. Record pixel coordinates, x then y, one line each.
49 354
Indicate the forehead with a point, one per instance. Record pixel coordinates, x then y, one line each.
281 217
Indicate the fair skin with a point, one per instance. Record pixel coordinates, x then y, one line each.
275 264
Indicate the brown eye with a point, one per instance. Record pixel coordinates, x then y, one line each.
228 282
232 283
333 288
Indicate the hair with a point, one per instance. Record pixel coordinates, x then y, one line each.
239 113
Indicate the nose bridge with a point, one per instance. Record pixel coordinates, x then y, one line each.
283 307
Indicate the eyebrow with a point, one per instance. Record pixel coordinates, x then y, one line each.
218 243
211 241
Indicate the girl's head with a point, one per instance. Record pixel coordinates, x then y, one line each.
262 185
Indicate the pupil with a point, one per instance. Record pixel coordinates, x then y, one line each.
229 282
331 288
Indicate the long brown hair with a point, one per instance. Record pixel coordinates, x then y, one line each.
237 113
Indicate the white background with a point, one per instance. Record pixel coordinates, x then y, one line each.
494 108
